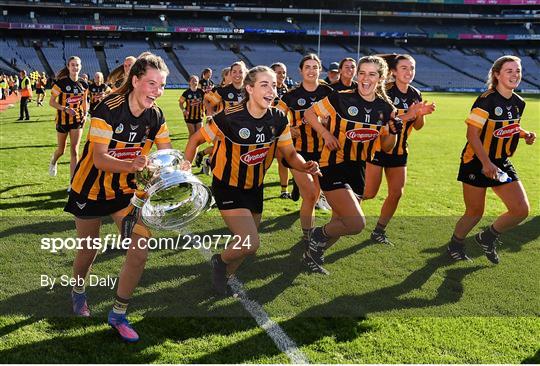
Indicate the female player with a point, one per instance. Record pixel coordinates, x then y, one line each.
123 129
98 90
359 121
225 76
281 74
69 96
41 83
246 137
493 132
305 139
118 76
205 83
228 95
347 71
191 105
411 110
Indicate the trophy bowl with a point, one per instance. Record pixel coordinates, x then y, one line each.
174 197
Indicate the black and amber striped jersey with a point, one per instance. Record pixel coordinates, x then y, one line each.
194 104
356 123
402 101
73 94
206 85
244 146
498 119
295 102
223 97
338 85
281 90
97 93
115 84
126 136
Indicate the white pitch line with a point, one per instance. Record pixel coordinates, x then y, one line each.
282 341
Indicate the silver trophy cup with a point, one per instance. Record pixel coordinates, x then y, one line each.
174 197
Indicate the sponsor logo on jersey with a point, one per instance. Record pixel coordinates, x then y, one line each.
506 131
244 133
362 134
119 129
125 153
255 157
74 99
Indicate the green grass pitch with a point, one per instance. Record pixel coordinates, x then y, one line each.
405 304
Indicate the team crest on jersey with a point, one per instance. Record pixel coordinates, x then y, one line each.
119 129
396 101
507 131
74 99
68 88
255 157
352 110
230 95
301 102
190 96
362 134
244 133
498 111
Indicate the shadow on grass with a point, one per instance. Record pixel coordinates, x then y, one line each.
40 201
535 359
27 147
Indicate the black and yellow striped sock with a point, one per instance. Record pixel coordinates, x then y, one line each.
120 305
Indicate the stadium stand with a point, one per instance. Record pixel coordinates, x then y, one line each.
446 59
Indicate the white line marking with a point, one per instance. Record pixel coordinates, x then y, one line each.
274 331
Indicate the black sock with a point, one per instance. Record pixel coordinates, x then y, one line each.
320 235
490 234
120 305
456 242
220 261
379 228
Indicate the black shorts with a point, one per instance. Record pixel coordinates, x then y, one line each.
388 160
314 156
84 208
66 128
193 121
40 91
348 175
471 173
228 198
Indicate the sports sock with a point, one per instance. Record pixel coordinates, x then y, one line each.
320 235
379 228
120 305
305 233
490 234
